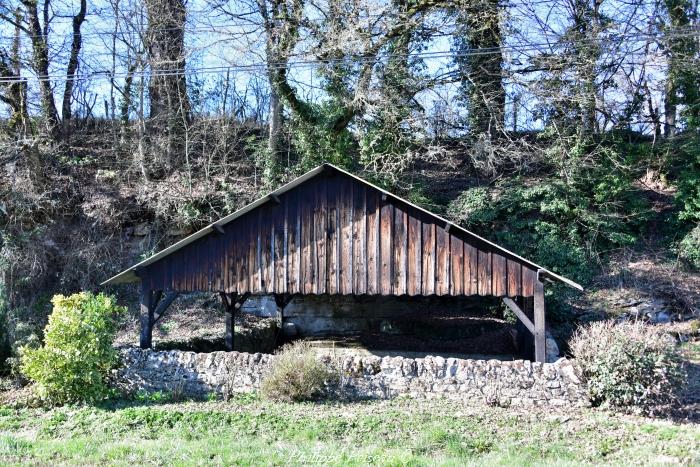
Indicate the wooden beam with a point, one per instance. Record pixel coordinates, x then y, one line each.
146 317
540 339
162 304
520 314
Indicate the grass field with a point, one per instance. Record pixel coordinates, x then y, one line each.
400 432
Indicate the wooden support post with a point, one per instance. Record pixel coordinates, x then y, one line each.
282 300
153 305
540 338
228 302
146 318
232 303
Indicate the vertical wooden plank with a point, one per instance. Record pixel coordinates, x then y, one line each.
514 278
191 271
182 264
400 265
293 242
253 252
149 273
332 237
484 272
528 280
500 275
232 280
320 222
359 238
429 253
216 258
225 274
207 267
443 261
204 263
540 337
372 241
191 276
242 271
222 263
259 262
307 239
186 274
414 253
457 262
267 245
345 223
210 249
285 246
172 273
386 247
192 261
280 279
175 272
197 266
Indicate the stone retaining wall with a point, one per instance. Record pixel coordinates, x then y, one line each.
505 383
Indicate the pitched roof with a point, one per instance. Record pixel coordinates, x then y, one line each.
130 275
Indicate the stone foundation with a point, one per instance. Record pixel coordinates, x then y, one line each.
495 382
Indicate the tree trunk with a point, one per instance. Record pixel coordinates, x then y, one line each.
167 89
275 134
682 77
670 108
16 94
72 68
482 80
40 63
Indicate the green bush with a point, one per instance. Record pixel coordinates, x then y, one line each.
297 375
77 354
686 160
689 249
629 364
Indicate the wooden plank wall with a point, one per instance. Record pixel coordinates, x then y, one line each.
334 235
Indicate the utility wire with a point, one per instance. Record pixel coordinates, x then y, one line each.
213 27
354 59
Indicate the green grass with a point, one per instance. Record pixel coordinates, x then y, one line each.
401 432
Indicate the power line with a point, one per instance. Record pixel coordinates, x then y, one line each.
357 59
212 28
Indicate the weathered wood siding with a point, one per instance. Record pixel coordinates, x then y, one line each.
335 235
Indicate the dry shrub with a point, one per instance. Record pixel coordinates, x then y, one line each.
628 364
297 375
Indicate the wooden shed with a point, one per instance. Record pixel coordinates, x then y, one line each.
330 232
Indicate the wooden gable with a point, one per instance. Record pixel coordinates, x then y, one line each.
335 234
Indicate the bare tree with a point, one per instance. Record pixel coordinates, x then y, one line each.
72 68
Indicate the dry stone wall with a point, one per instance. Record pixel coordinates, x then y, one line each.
504 383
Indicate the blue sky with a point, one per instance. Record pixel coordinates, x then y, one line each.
217 46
